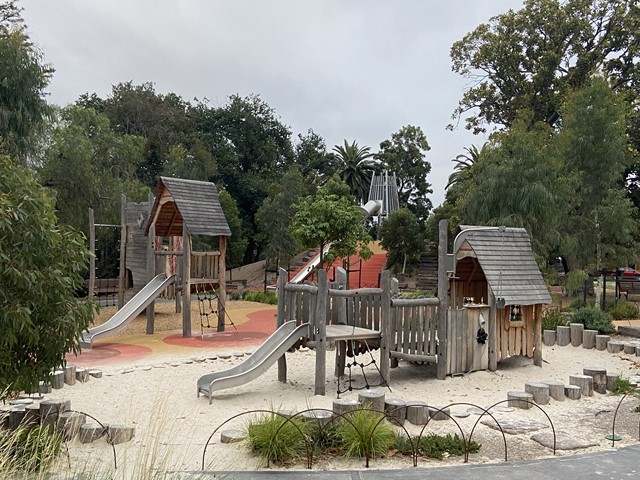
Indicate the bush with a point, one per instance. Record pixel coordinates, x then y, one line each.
365 434
575 281
623 310
287 444
260 297
435 446
594 319
552 318
622 386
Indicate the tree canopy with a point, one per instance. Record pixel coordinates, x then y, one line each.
355 166
402 238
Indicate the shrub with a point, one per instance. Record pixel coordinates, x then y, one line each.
623 310
575 281
261 297
418 294
287 444
594 319
365 435
435 446
622 386
552 318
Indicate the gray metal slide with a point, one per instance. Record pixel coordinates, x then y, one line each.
131 310
258 362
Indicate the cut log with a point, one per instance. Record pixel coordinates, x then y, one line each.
417 413
556 389
572 392
629 348
540 392
396 410
373 399
97 373
5 411
519 399
231 436
49 410
585 382
32 415
615 346
44 387
90 432
16 416
563 337
82 375
612 381
345 405
599 376
589 338
70 423
70 374
576 333
319 417
549 337
637 350
119 434
57 380
602 341
439 414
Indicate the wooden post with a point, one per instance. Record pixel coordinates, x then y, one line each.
492 324
385 330
442 297
151 264
186 282
123 251
222 281
537 335
282 361
321 333
341 314
393 325
92 259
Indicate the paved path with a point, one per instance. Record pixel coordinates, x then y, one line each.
623 463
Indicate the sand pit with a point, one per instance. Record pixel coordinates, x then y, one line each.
157 395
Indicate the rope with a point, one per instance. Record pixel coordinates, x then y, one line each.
349 366
207 309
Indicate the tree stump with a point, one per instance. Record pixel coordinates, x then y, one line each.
119 434
396 410
612 380
320 417
345 405
602 341
5 411
629 348
563 336
44 387
589 338
287 412
417 413
82 375
572 392
16 416
549 337
58 379
49 410
90 432
540 392
519 399
373 399
599 376
556 389
637 350
32 415
95 373
70 374
576 333
439 414
585 382
615 346
70 423
231 436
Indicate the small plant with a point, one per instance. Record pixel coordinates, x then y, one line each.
275 438
435 446
575 281
418 294
622 386
552 318
594 319
364 435
623 310
637 409
260 297
28 450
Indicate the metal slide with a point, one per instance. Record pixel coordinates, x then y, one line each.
258 362
131 310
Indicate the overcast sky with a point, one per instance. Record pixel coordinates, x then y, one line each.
355 70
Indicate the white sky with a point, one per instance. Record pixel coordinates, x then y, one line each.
356 70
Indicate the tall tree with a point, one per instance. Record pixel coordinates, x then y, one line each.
403 239
356 166
23 79
311 156
404 154
531 58
40 266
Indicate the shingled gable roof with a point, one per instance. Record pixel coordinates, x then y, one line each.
507 260
192 202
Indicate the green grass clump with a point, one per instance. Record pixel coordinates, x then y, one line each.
622 386
623 310
275 438
28 450
594 319
364 435
417 294
435 446
260 297
552 318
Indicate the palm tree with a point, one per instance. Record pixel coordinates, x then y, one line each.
463 171
356 166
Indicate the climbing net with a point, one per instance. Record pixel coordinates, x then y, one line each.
207 306
355 347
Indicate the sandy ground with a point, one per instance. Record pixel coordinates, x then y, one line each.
172 424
